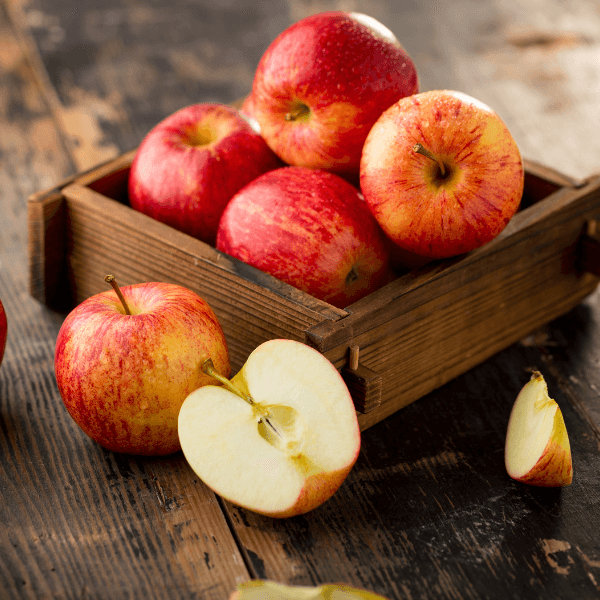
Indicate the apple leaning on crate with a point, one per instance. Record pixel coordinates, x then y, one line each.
309 228
127 358
442 174
190 165
321 85
270 590
537 448
279 438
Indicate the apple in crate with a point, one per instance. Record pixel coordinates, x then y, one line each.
3 331
280 437
442 174
323 82
190 165
125 366
309 228
537 449
269 590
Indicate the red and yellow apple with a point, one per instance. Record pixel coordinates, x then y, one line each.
3 331
279 438
190 165
321 85
537 449
309 228
442 175
269 590
124 370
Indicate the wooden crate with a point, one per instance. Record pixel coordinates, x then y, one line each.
412 335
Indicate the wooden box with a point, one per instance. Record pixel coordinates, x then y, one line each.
413 335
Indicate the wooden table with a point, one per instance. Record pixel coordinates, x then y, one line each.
428 511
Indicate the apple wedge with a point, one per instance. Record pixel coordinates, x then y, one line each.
280 437
269 590
537 449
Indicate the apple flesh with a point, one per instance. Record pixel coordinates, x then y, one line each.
309 228
263 590
537 449
280 438
123 377
190 165
442 175
321 85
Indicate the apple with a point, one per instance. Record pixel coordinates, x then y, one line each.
323 82
279 438
126 361
537 449
309 228
190 165
3 331
262 590
442 175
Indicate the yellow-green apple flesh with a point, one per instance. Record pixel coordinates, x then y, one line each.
123 377
321 85
309 228
280 438
191 164
3 331
456 199
270 590
537 449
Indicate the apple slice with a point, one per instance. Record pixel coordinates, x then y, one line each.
280 437
537 449
262 590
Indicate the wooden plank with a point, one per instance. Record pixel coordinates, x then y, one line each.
77 521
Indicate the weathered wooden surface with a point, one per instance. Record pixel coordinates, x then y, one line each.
429 511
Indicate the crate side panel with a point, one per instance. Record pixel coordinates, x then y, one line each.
100 241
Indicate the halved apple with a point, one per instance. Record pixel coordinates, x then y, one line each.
537 449
269 590
280 437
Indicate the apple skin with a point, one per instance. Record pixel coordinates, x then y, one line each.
3 331
123 378
535 418
342 70
428 216
309 228
190 165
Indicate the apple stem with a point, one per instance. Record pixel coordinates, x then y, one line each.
111 279
208 367
420 149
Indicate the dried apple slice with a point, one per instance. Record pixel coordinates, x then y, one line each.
537 449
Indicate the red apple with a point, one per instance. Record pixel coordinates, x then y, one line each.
309 228
190 165
123 377
323 82
3 331
457 196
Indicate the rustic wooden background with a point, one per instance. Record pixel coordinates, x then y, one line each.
429 511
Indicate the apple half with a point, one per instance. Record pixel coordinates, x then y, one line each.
280 437
537 449
263 590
